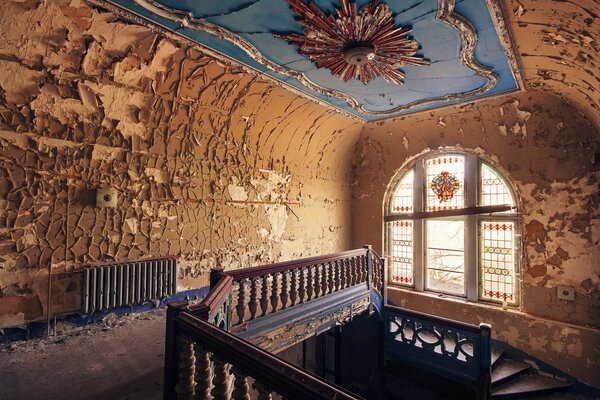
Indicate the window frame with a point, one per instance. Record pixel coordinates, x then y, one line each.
473 282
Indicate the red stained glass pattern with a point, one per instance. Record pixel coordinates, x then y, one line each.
444 176
497 260
403 194
444 186
401 252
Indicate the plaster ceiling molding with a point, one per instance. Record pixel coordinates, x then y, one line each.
361 45
466 45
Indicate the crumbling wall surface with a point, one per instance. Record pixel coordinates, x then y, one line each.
559 46
212 164
551 153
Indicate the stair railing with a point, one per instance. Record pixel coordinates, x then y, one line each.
452 349
267 289
201 354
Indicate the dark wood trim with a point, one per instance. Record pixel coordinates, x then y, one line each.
171 371
278 375
291 265
215 298
433 318
448 213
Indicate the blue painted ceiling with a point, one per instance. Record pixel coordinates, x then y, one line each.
446 81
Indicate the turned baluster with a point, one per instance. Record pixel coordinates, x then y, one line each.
275 289
353 271
338 274
220 390
348 271
241 390
263 392
361 269
294 287
325 278
302 285
253 306
185 387
310 288
318 273
332 276
343 265
264 296
203 373
285 287
241 302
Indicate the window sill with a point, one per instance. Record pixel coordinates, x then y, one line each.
459 300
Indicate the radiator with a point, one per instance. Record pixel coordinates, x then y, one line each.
128 283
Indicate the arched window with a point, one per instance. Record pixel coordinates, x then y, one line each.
451 227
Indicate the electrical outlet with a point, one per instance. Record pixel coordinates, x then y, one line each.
106 197
565 293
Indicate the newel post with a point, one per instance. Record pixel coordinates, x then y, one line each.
485 360
215 276
384 280
171 353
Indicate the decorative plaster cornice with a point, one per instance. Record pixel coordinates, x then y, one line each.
445 13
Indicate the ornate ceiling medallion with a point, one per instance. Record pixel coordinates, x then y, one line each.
363 46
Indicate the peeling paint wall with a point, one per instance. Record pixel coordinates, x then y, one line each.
212 164
551 152
559 45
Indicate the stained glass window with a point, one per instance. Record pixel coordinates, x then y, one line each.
497 246
493 188
471 253
444 180
401 233
401 270
403 195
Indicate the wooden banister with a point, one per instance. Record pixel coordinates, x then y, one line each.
293 264
271 372
213 301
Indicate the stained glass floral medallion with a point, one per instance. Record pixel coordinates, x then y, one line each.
445 185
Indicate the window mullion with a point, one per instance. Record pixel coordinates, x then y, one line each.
418 231
471 237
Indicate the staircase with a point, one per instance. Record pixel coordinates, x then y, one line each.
513 379
251 314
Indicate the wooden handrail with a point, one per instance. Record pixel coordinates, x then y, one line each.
214 299
293 264
274 373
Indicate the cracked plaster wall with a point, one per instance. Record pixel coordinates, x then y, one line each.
212 164
552 154
558 43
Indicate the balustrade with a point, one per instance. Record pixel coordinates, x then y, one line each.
197 368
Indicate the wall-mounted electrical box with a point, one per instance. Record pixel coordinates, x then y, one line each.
565 293
106 197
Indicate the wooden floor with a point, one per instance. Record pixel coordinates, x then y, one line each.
119 359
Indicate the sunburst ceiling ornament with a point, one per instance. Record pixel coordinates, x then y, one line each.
363 46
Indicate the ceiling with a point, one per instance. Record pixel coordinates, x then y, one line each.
465 41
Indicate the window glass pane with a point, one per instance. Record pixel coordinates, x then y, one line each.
446 256
494 190
497 260
403 196
444 181
401 252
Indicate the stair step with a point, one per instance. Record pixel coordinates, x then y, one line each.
506 369
528 385
496 353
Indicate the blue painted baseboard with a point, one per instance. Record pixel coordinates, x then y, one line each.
39 329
